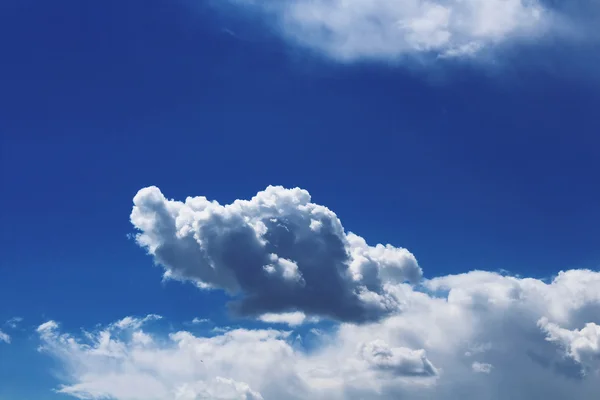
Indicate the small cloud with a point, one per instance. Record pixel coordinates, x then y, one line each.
482 368
47 327
292 318
317 332
134 323
221 329
14 322
4 337
198 321
478 349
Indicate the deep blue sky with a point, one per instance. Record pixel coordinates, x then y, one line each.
465 167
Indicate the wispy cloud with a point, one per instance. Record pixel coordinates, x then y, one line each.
4 337
198 321
14 322
348 30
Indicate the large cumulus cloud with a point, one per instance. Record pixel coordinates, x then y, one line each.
480 335
477 335
278 251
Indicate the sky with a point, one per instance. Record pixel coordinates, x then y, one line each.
293 199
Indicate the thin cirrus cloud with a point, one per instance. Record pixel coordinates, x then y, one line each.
349 30
14 322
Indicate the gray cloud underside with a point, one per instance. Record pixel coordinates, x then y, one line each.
279 251
476 335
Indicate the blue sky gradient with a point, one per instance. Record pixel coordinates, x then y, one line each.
469 164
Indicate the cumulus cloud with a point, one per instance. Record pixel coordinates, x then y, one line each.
4 337
479 334
581 345
289 261
278 252
389 29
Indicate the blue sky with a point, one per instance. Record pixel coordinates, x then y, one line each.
478 152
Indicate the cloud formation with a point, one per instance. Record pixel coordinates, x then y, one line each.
292 319
198 321
278 252
348 30
479 335
384 29
581 345
14 322
4 337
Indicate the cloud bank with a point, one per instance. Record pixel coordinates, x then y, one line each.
478 335
278 253
289 262
348 30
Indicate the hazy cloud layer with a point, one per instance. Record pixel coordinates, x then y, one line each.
477 335
279 251
348 30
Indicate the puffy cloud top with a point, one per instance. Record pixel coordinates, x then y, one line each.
582 345
279 251
477 335
483 336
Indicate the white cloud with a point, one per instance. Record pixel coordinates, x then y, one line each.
271 252
135 323
292 319
582 345
4 337
198 321
491 336
399 360
390 29
14 322
479 334
47 328
482 367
